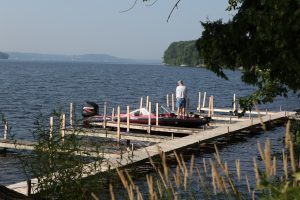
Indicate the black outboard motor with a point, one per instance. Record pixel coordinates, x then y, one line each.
90 109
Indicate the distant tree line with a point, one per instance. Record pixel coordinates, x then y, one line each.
182 53
3 55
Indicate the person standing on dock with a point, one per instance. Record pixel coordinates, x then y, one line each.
181 96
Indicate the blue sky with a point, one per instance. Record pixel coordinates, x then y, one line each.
97 26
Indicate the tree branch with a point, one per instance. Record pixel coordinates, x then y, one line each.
175 6
130 7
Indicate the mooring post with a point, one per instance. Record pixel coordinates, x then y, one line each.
5 130
227 129
141 104
63 126
104 115
51 128
173 103
234 103
71 114
128 119
212 106
147 102
199 102
28 187
204 98
280 108
118 126
209 107
156 105
172 136
168 101
149 118
230 119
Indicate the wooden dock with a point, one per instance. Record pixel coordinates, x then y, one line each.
194 136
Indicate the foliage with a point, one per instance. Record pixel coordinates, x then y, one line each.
264 39
60 164
183 52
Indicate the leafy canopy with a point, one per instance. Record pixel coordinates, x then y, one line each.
264 38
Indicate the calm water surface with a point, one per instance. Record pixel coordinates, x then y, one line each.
30 88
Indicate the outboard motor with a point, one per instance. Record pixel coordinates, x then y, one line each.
90 109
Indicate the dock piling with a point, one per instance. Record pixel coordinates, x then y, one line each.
204 98
141 103
5 130
168 101
71 114
128 119
234 103
199 102
156 121
63 126
51 128
147 102
104 114
118 127
173 107
149 119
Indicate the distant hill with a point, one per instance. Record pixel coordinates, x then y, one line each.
182 53
101 58
3 55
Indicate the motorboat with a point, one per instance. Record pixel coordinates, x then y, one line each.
141 116
165 118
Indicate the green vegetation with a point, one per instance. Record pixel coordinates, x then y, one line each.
263 37
61 163
3 55
182 53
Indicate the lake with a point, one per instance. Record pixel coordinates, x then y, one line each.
30 88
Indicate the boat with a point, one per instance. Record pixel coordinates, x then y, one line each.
165 118
142 115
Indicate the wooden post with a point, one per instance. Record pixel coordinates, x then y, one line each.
71 114
104 115
280 108
5 130
51 128
118 127
199 102
156 114
168 101
63 126
128 119
212 105
147 102
209 110
141 103
28 187
204 98
173 108
149 118
234 103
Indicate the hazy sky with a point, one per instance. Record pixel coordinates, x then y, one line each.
97 26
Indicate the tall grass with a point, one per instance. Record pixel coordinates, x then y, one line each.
216 181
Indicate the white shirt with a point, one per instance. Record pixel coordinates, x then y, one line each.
181 91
